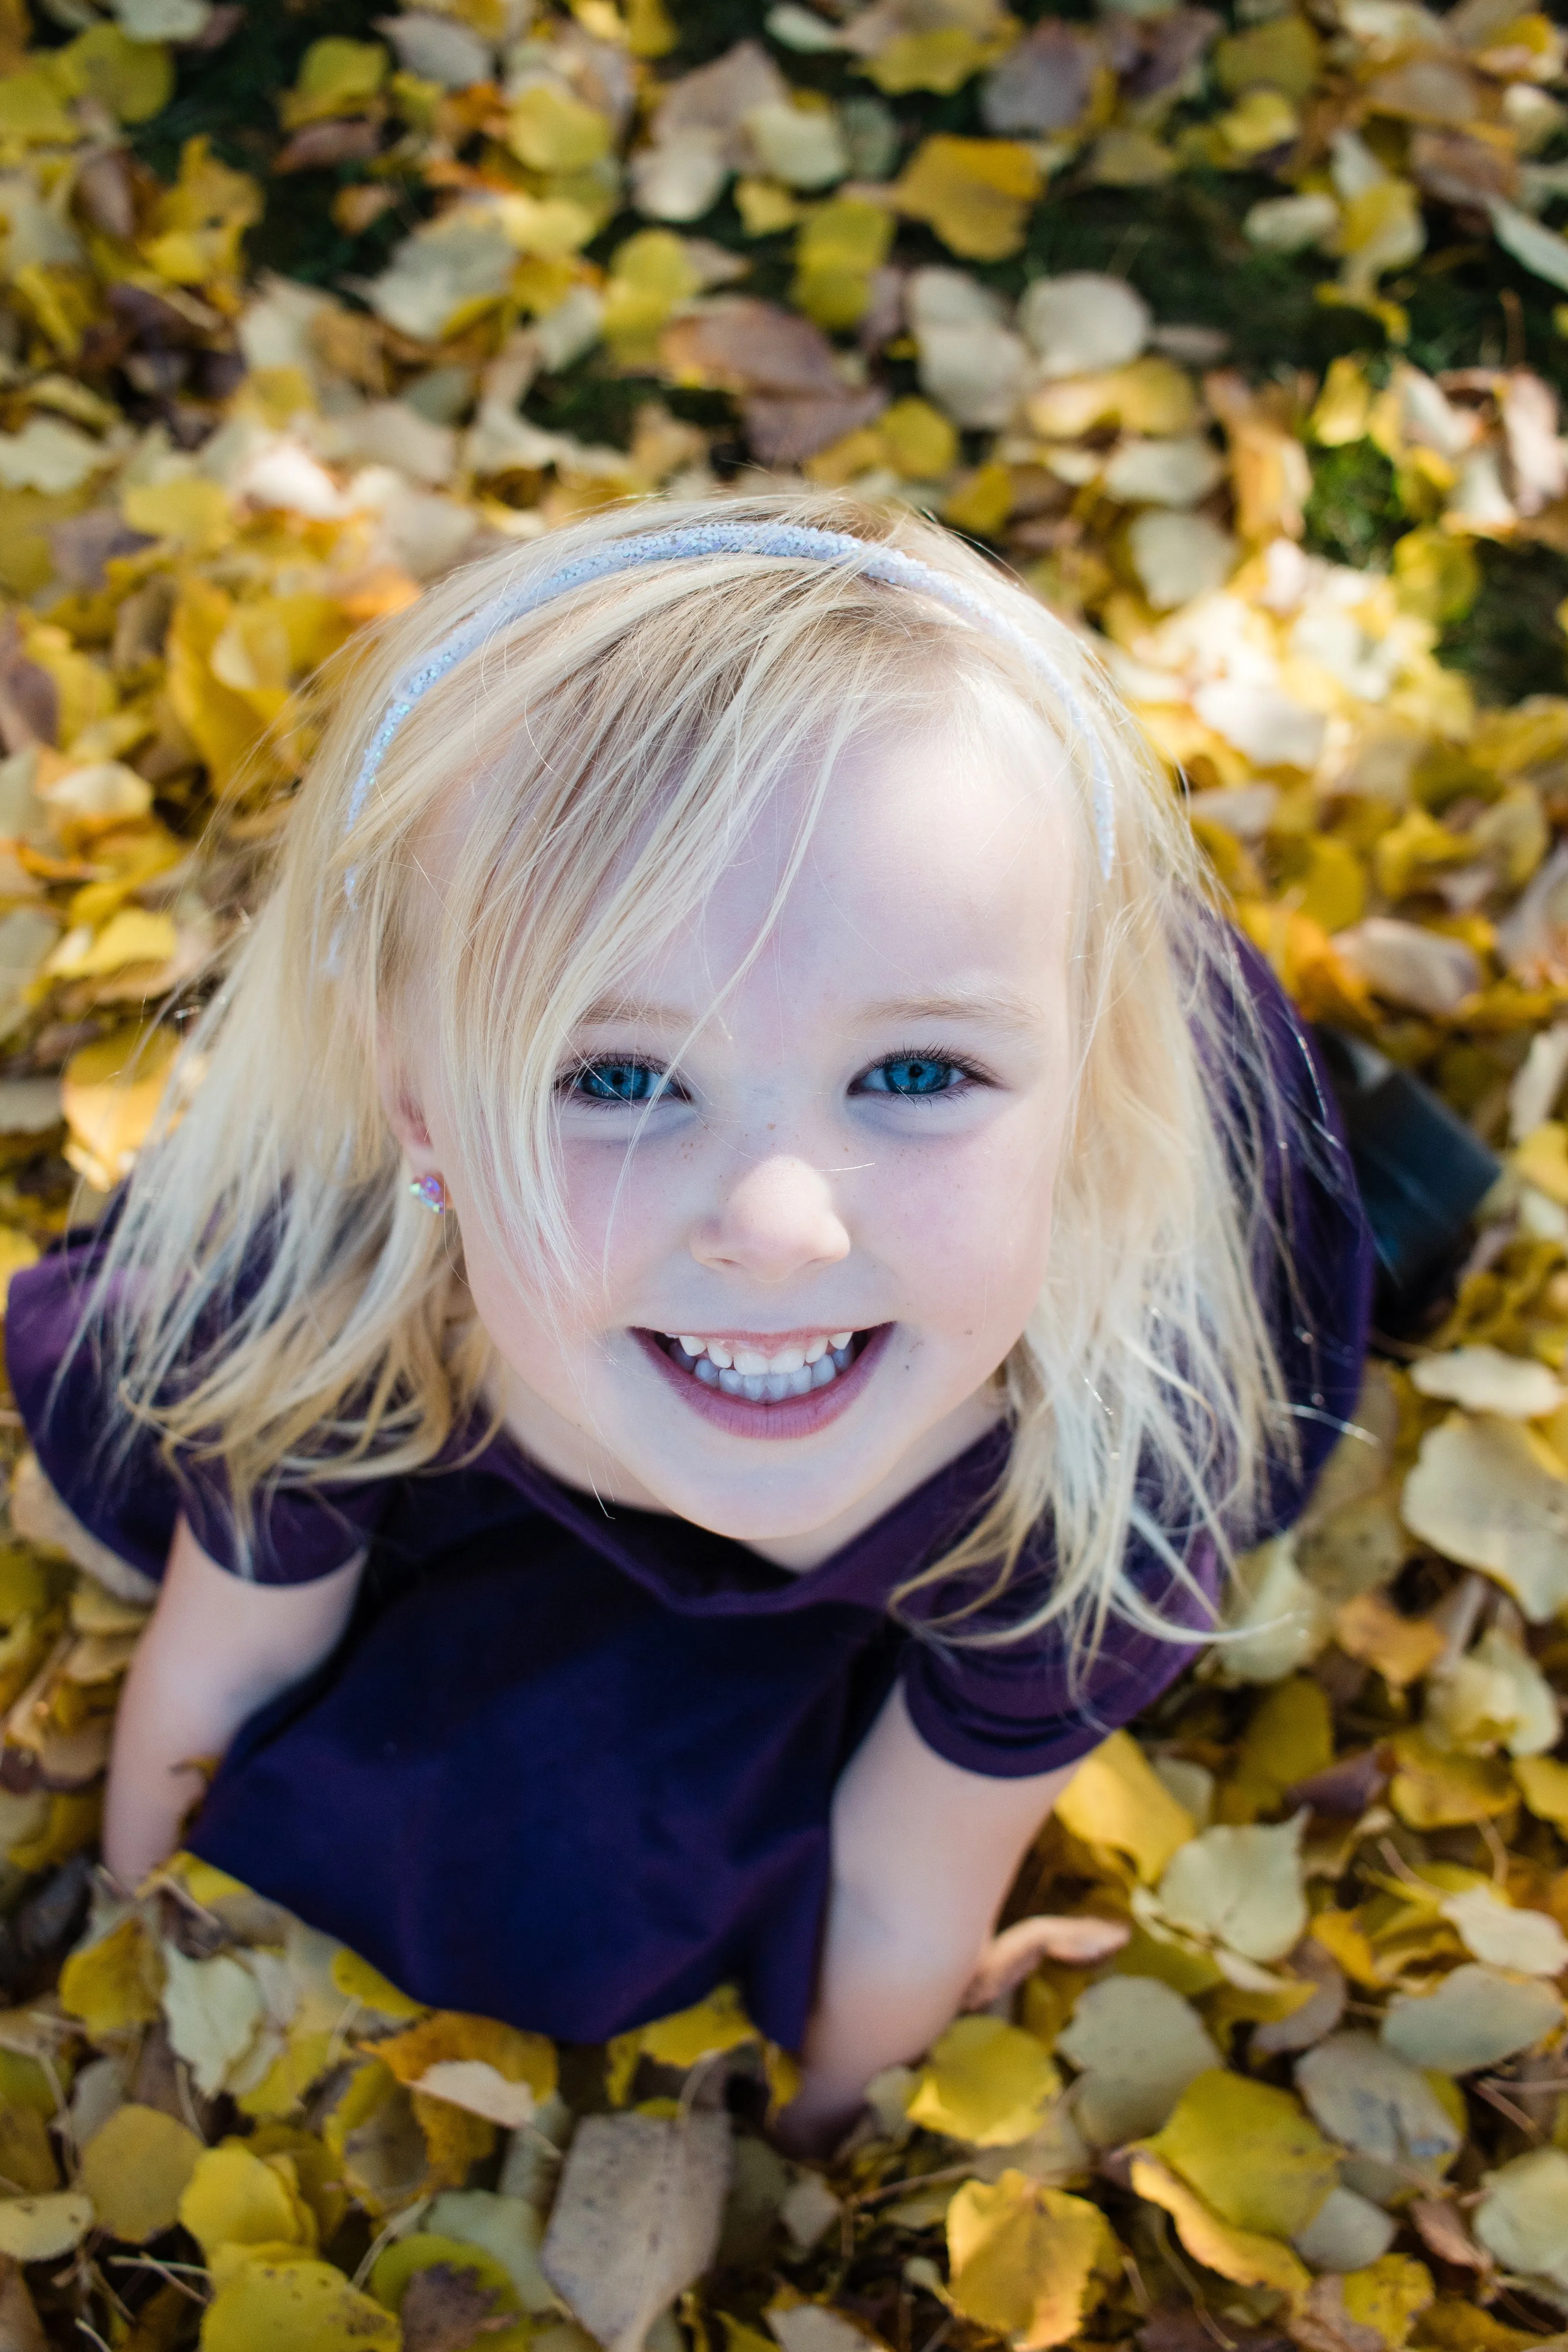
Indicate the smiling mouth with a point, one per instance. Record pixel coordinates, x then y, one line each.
753 1376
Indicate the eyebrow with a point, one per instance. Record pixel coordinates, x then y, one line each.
1003 1007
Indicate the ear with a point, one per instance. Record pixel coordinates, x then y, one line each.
405 1114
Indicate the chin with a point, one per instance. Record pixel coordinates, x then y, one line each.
751 1519
775 1506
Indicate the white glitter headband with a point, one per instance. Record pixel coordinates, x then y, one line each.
788 540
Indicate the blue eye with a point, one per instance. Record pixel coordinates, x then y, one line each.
912 1076
614 1081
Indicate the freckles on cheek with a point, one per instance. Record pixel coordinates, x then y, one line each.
1005 1175
619 1212
965 1237
589 1203
598 1185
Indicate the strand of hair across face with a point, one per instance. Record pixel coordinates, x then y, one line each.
887 565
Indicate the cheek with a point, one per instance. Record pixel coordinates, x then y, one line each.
517 1318
969 1225
533 1324
624 1208
623 1217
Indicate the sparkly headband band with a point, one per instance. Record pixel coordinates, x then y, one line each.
787 540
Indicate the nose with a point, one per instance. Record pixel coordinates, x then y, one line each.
777 1221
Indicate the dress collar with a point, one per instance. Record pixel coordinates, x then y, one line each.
702 1574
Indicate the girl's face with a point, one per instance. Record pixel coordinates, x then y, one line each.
822 1233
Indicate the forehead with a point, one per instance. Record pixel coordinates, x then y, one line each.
944 858
942 862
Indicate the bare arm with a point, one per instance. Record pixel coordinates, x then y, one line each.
215 1648
923 1854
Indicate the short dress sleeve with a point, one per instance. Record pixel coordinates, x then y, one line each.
299 1533
1019 1709
1016 1708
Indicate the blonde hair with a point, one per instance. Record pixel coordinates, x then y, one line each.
272 1298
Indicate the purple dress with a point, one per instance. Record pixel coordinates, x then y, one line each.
571 1766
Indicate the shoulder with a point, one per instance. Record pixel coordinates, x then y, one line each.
1042 1700
103 1480
1314 1252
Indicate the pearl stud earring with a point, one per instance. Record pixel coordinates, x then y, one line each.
431 1190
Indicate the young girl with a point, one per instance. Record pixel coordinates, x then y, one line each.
746 1253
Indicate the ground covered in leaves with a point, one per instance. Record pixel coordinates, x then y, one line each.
1240 335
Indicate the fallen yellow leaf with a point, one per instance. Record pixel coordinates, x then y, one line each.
975 193
985 2082
1251 2151
136 2168
1115 1799
277 2305
1028 2262
1246 2256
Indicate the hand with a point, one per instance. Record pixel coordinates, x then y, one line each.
214 1650
145 1814
816 2122
1006 1960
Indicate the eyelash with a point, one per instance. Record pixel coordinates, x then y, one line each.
570 1083
969 1075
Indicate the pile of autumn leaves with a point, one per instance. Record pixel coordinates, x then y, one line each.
1284 2046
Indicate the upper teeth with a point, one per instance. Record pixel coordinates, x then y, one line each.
752 1359
789 1371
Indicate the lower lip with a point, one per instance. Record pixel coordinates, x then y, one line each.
800 1416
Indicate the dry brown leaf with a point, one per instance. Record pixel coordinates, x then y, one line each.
21 2329
637 2217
